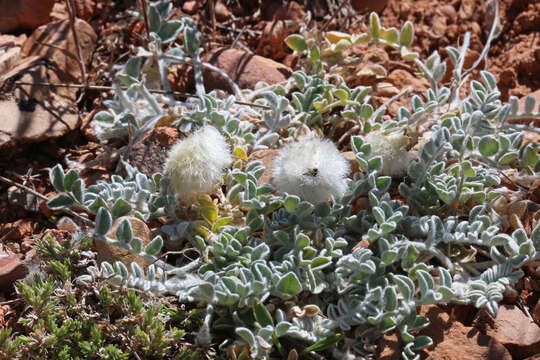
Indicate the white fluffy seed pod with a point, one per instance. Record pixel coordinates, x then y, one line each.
311 168
195 164
392 148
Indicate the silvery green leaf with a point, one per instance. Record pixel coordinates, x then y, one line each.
124 232
136 245
136 270
133 68
489 80
191 39
282 327
296 43
421 341
154 246
322 209
390 300
77 190
170 31
121 269
107 268
439 71
154 19
104 116
406 34
61 201
262 315
320 262
405 285
103 221
56 175
529 104
375 163
289 284
121 208
374 25
378 213
69 179
247 336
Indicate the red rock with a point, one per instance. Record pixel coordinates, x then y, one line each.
271 43
191 7
66 224
390 348
18 229
450 12
222 13
35 122
279 10
512 328
24 14
453 340
244 69
267 158
149 154
369 5
11 269
402 78
10 56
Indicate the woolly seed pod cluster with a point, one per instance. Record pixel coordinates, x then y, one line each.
311 168
195 164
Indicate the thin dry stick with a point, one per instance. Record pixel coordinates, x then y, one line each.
212 14
335 13
142 4
108 88
71 13
42 197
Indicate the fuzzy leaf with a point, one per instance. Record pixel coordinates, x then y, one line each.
120 208
262 315
296 43
61 201
488 145
103 221
124 232
56 175
323 344
406 34
289 284
154 246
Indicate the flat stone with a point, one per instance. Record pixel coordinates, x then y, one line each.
452 340
111 253
19 15
149 154
35 113
11 269
512 328
267 158
243 68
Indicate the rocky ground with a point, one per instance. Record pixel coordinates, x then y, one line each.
43 125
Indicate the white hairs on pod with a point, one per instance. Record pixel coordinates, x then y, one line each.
311 168
195 164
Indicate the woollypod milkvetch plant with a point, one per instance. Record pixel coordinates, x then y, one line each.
279 267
